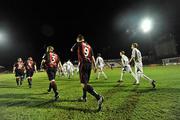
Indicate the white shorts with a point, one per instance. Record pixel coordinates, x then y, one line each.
138 67
127 68
101 67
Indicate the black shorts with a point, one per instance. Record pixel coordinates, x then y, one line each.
51 72
85 72
29 73
19 73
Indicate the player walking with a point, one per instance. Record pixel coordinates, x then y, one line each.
125 66
70 69
100 64
137 58
30 66
19 70
86 59
52 63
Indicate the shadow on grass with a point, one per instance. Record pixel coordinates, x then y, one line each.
8 86
49 104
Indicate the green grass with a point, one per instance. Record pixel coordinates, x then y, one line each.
122 101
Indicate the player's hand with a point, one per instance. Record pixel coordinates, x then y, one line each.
95 70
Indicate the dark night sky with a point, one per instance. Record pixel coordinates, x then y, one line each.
29 26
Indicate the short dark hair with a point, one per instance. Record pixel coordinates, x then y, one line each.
80 37
135 45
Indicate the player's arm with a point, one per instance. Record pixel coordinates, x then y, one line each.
74 47
14 67
43 61
35 67
132 56
60 67
93 61
96 62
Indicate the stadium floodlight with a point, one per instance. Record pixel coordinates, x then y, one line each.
146 25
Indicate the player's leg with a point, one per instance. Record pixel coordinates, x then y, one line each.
17 77
105 76
137 74
122 74
132 73
22 76
99 73
52 74
89 88
18 80
28 76
84 91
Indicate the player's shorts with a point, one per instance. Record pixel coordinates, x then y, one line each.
51 72
138 67
29 73
100 67
19 73
127 68
85 71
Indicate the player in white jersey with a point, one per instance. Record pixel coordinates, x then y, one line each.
137 58
125 66
69 68
64 69
100 64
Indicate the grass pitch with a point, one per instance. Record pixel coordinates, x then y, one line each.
122 101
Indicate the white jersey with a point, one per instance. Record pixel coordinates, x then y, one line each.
136 55
99 62
124 60
69 66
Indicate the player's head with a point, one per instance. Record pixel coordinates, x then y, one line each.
80 38
19 59
134 45
30 58
50 49
122 53
99 54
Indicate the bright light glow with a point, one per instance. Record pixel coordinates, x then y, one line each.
3 39
146 25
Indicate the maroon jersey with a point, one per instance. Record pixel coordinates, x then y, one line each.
85 52
30 65
52 60
19 65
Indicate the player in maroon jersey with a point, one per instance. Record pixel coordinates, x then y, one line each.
52 63
19 70
86 59
30 66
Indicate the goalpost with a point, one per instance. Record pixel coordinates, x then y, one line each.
171 61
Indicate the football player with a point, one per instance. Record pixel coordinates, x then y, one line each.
52 63
100 64
125 66
70 69
30 66
137 58
19 70
86 59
